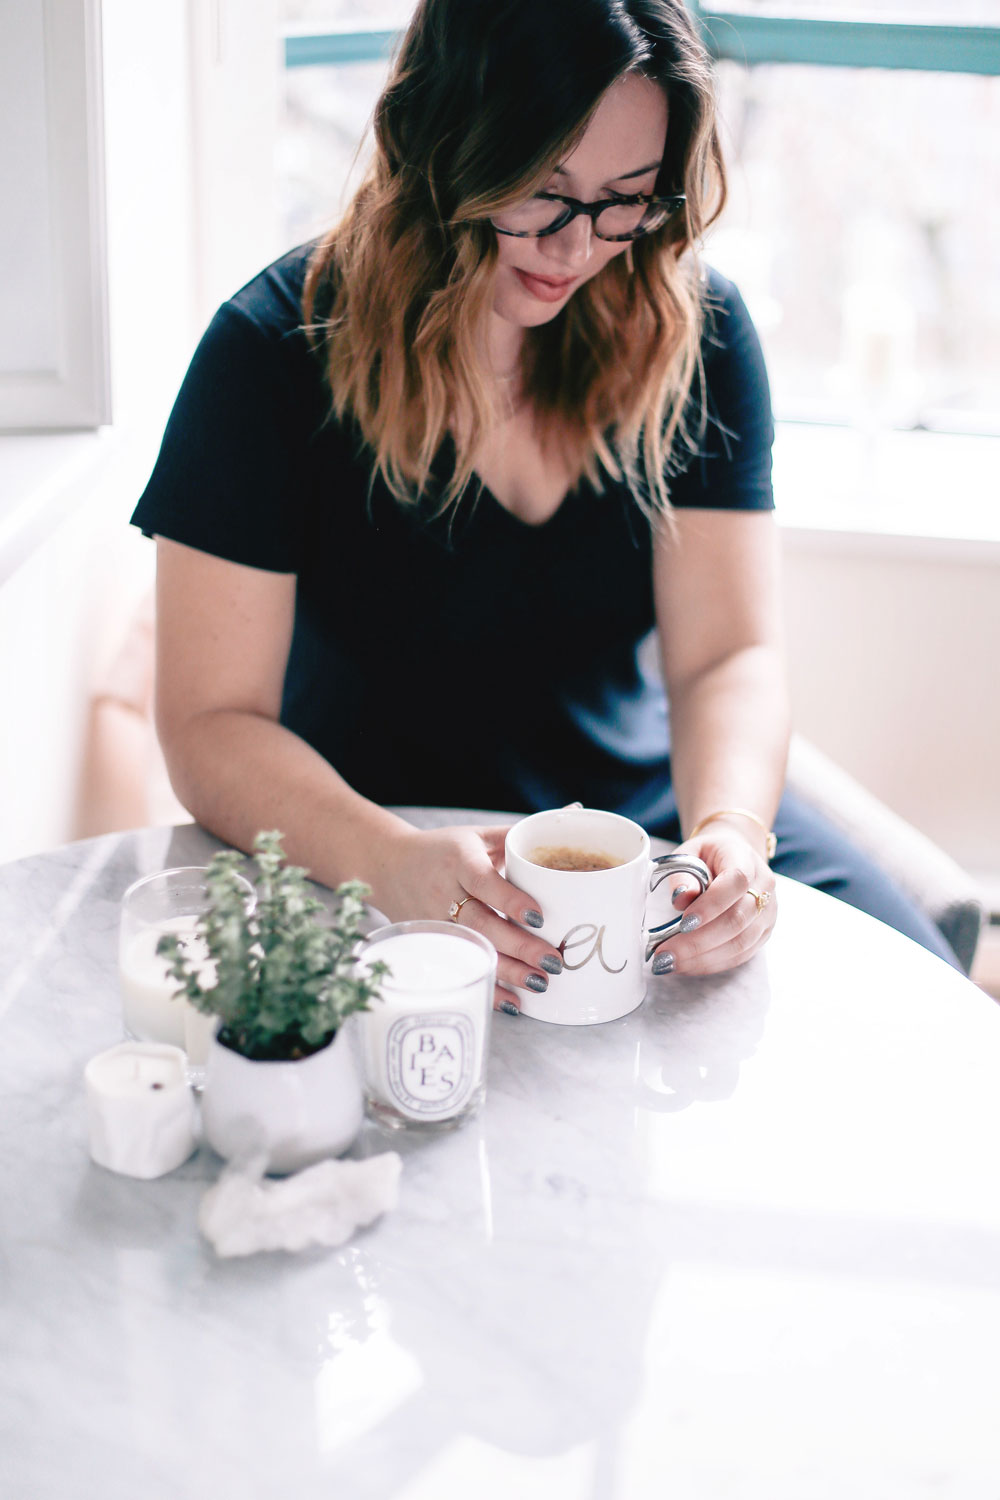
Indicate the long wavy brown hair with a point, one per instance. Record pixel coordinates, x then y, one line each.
485 96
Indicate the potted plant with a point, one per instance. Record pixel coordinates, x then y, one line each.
283 1076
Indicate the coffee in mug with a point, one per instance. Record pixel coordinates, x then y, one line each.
564 857
597 924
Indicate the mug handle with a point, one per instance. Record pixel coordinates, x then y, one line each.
674 864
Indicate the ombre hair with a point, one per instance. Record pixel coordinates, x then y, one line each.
484 98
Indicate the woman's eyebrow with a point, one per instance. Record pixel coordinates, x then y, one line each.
622 176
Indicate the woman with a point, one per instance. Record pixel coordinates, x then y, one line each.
436 489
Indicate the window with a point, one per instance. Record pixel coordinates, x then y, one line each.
863 229
863 226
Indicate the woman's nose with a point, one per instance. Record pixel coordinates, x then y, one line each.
572 244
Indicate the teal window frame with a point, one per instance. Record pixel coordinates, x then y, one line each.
926 48
737 36
309 48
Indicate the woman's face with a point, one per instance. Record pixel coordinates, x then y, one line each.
620 152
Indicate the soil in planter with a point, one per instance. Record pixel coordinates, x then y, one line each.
289 1046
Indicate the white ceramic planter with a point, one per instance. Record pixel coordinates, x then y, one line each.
296 1113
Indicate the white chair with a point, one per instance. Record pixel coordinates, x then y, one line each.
930 877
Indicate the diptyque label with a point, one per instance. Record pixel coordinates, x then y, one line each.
429 1063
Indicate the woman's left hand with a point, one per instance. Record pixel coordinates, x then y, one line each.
735 915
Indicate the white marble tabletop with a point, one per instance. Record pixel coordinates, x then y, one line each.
742 1243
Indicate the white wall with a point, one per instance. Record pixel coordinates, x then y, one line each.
190 105
151 211
185 227
893 655
61 612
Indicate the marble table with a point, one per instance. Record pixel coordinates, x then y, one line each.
742 1243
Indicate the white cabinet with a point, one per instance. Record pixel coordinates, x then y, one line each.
54 359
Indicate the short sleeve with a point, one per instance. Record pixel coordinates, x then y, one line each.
225 480
732 468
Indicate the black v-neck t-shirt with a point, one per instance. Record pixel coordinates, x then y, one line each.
473 661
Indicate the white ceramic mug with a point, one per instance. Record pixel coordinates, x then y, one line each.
596 918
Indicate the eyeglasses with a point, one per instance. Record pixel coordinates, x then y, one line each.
612 218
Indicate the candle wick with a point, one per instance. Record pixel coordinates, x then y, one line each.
156 1085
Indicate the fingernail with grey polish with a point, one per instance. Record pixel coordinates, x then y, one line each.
663 963
690 923
551 964
681 890
536 982
509 1008
532 918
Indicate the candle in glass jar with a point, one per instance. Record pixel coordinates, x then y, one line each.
149 1009
425 1040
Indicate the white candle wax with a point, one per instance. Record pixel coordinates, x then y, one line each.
140 1110
425 1039
199 1030
149 1008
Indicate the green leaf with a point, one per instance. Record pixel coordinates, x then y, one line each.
285 972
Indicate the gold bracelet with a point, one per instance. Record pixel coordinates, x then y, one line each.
740 812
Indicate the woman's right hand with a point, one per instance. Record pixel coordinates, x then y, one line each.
423 871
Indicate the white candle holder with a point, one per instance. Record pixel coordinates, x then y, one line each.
426 1041
141 1113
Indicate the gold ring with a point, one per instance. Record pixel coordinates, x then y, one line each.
456 907
761 898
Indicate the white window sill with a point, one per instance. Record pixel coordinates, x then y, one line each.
928 494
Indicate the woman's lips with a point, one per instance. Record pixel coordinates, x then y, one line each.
545 288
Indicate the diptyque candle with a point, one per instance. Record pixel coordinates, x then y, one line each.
426 1040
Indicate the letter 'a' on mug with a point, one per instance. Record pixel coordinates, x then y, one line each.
590 873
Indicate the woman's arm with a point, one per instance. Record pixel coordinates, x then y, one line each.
718 609
223 637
